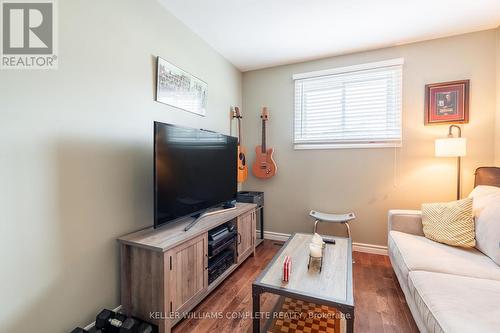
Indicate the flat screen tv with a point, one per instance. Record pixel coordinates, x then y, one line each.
193 170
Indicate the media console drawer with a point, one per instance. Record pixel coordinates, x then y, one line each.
186 273
246 234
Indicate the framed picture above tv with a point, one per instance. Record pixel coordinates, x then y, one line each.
447 103
178 88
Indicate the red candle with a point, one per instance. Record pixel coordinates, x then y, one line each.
287 268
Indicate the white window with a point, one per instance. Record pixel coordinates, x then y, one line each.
349 107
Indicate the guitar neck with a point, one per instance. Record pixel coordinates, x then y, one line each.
263 146
239 131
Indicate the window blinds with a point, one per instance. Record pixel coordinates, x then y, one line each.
358 106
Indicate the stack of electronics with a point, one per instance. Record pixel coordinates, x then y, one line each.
221 249
108 321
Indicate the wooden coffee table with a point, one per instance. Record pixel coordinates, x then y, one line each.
331 287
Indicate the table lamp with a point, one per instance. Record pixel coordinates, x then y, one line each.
453 147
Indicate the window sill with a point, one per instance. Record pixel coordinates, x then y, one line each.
309 146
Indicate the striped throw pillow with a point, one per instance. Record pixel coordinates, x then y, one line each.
450 223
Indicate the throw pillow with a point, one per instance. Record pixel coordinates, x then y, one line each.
486 208
450 223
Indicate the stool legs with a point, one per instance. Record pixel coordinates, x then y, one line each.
316 225
344 223
348 229
349 234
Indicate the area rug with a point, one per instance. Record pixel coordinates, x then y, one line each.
296 316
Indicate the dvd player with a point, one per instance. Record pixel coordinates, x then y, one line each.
221 238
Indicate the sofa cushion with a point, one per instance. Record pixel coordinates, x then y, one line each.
451 303
450 223
398 264
413 252
486 206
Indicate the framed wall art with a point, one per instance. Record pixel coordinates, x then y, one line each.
447 103
180 89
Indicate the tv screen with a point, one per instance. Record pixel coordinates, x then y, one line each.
193 170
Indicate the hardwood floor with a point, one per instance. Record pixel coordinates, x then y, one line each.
379 301
380 305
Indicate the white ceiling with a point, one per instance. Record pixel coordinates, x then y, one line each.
255 34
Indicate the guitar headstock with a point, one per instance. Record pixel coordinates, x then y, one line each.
265 114
236 113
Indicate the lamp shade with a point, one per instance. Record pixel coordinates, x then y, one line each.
451 147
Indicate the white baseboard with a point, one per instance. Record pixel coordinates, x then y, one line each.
277 236
370 248
359 247
90 326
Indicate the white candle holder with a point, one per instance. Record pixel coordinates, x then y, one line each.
320 259
316 253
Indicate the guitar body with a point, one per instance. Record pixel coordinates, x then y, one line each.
242 164
264 166
242 160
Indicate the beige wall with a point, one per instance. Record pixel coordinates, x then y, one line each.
372 181
76 156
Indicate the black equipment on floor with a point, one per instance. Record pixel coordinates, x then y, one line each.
108 321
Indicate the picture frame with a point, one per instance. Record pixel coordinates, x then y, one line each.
180 89
447 103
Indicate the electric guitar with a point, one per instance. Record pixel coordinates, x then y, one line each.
242 161
264 166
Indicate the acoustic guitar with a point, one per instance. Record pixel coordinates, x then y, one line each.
264 166
242 160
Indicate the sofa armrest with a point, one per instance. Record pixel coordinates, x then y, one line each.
408 221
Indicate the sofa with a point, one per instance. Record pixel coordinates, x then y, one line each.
448 289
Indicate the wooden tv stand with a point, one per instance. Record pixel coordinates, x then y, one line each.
164 271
